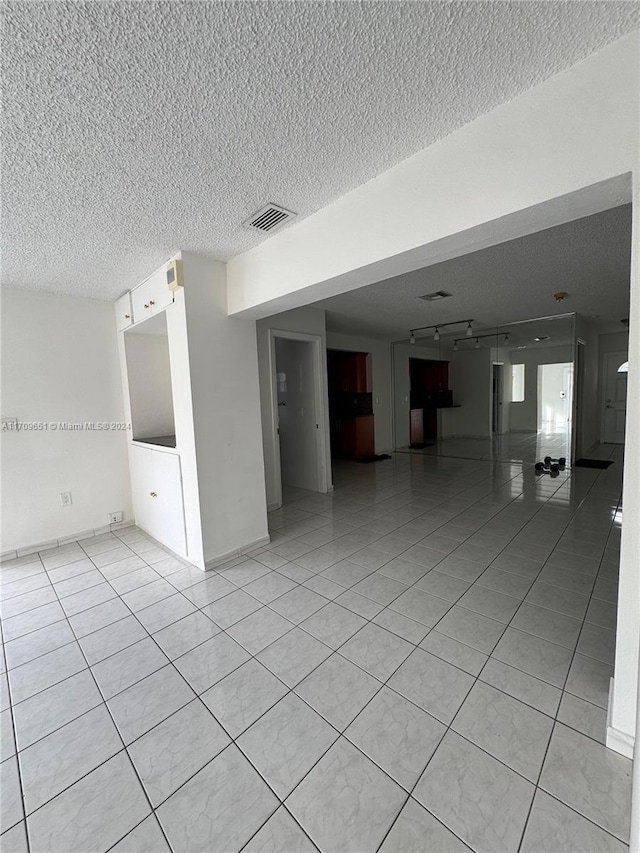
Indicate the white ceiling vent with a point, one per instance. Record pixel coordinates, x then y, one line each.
269 217
432 297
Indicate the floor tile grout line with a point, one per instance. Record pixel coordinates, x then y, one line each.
15 757
124 748
316 638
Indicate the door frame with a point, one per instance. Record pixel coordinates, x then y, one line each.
497 397
319 398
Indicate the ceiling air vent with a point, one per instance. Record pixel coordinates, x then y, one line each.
432 297
269 217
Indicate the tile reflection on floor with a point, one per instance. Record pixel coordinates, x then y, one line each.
508 447
419 661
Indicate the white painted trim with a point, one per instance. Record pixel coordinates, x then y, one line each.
321 443
238 552
617 740
35 547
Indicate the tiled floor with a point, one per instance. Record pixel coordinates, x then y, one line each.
510 447
419 662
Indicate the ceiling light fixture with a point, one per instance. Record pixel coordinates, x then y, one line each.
560 295
477 345
436 336
506 340
469 329
455 346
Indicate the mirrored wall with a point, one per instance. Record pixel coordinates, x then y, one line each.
505 393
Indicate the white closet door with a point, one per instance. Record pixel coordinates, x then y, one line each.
168 515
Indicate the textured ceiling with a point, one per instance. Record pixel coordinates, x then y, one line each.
588 258
133 130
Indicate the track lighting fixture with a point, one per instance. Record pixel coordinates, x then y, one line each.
469 330
477 346
506 339
436 336
455 346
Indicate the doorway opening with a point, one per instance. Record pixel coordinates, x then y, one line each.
555 395
351 418
497 399
298 414
428 392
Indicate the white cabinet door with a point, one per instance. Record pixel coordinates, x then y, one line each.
151 296
124 314
141 478
156 485
169 504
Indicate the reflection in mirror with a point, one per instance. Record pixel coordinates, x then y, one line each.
505 393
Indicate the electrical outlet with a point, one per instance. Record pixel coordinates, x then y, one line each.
65 499
115 517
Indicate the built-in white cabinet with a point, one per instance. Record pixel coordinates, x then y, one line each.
156 480
150 297
124 313
187 419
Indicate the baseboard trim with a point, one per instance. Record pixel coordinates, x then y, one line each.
35 547
237 552
617 740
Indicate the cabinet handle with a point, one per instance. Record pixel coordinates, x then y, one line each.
127 316
151 302
153 494
146 304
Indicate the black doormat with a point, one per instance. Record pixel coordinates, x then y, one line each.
375 458
592 463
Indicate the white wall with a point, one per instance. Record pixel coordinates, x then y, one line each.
60 364
310 321
380 381
226 412
524 415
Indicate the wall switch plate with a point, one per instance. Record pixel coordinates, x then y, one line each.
115 517
65 499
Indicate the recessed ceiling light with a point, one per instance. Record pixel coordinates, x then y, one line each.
542 338
433 297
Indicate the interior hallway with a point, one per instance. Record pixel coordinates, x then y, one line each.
419 661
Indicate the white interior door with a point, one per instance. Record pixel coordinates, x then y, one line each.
615 398
297 421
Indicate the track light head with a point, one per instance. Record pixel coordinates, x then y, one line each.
469 330
455 346
412 339
477 346
436 336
